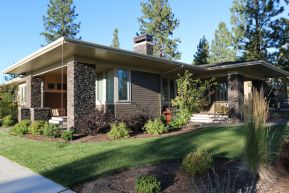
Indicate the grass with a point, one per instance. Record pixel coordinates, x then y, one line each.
73 163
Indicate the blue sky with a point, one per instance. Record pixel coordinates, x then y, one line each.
21 24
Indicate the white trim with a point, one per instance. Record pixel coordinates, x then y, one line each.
141 43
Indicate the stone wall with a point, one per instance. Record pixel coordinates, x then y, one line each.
40 114
33 92
235 96
80 94
23 114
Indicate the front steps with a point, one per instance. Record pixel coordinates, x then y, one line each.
61 121
209 118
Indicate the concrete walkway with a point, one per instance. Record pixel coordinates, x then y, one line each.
17 179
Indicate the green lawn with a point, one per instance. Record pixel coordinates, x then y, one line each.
71 164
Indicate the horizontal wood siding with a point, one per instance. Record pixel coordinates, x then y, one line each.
145 93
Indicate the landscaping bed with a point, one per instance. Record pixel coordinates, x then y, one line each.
229 173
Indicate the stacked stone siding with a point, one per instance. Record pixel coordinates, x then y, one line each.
40 114
33 92
80 94
235 96
23 114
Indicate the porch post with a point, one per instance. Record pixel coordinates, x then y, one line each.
33 109
81 101
235 96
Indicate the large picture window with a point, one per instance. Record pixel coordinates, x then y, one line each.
123 85
104 86
168 90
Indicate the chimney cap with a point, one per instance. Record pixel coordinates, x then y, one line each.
143 38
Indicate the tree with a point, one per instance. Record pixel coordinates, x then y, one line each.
252 24
222 49
281 33
202 54
115 41
159 21
60 21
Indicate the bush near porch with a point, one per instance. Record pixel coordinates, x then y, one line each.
74 163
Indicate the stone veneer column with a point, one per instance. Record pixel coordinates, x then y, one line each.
80 94
33 92
235 96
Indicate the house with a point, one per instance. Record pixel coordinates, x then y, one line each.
72 78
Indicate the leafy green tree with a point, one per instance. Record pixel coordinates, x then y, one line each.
115 41
202 54
222 49
252 22
8 101
190 99
60 21
159 21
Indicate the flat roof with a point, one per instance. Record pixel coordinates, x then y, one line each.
64 48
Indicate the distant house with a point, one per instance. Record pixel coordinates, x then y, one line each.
71 78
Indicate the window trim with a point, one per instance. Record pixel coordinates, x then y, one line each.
22 94
169 90
128 86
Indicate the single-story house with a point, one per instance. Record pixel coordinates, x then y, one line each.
72 78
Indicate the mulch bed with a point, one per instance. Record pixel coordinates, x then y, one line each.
104 137
174 180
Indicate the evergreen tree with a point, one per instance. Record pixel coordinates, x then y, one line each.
115 41
60 20
281 33
252 23
222 49
202 54
159 21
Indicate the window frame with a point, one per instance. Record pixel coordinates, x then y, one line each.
128 86
164 102
22 94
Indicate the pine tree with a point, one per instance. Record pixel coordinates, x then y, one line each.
115 41
222 49
60 21
281 33
202 54
159 21
253 19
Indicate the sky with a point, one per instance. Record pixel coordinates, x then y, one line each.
21 24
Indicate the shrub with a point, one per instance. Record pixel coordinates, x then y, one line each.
155 126
135 121
197 162
147 184
181 119
67 135
36 128
20 128
8 98
8 121
97 122
118 131
51 130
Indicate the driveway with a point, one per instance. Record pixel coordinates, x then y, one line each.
17 179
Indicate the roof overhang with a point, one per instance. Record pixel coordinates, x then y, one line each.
251 70
65 48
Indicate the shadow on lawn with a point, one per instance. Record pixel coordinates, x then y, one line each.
125 157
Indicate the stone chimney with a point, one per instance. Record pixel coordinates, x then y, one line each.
143 44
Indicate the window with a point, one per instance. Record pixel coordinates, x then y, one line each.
222 92
109 86
123 85
172 89
104 86
51 86
59 86
165 90
22 94
100 86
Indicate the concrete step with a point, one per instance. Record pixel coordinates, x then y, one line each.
56 122
209 118
63 119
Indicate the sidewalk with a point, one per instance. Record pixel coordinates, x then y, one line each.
17 179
